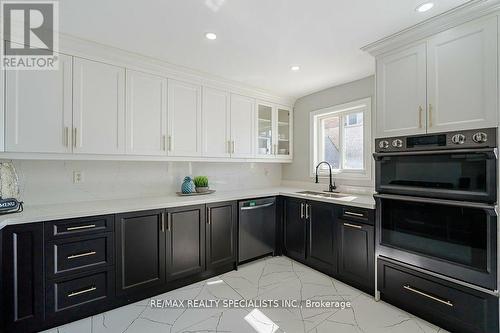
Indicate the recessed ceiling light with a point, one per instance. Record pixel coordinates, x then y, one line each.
211 35
295 68
424 7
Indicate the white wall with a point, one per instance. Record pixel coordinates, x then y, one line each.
46 182
298 171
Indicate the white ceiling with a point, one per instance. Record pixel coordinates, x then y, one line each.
257 40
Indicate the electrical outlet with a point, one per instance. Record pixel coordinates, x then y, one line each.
77 177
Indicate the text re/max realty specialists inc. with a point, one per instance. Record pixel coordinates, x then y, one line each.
245 303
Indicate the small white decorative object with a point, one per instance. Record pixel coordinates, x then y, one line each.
9 183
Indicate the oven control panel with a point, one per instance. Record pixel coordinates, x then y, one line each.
480 138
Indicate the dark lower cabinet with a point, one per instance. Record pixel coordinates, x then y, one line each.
294 229
79 295
140 251
76 254
221 223
356 254
185 253
309 233
22 277
451 306
321 251
337 240
60 271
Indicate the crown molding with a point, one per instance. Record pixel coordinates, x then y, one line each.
449 19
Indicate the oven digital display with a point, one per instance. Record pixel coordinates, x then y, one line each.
426 141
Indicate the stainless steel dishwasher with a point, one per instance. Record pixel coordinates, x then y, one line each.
257 228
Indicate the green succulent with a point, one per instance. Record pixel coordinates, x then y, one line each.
200 181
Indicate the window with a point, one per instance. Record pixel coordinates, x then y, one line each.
341 136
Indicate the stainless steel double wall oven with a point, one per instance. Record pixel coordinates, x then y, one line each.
436 204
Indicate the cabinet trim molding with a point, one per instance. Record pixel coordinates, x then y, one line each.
449 19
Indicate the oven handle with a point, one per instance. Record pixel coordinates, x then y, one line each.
491 152
437 201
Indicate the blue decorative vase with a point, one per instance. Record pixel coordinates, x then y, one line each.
187 186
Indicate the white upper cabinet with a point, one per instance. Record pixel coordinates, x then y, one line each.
462 77
98 108
446 83
284 137
265 130
146 114
98 111
215 123
274 131
184 119
242 126
401 92
38 110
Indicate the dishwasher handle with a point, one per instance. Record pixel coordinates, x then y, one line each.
258 206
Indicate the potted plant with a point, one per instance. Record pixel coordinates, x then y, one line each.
201 183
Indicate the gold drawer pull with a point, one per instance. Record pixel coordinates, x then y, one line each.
88 226
354 214
353 226
430 115
408 287
420 116
91 253
76 293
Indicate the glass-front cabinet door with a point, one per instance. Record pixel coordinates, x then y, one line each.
265 130
283 140
274 131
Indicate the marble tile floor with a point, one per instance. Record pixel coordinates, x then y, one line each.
278 278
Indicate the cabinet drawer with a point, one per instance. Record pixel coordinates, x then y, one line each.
70 255
77 227
357 214
454 307
80 294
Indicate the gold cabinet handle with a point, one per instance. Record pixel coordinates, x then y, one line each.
86 254
67 139
420 116
169 143
307 211
162 228
74 138
169 219
165 143
430 115
302 210
88 226
353 226
209 218
234 147
416 291
76 293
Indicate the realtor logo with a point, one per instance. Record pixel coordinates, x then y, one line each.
29 34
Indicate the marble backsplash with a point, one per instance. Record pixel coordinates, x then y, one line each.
47 182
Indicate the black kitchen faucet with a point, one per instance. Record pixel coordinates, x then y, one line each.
332 186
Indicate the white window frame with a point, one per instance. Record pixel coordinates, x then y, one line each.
362 105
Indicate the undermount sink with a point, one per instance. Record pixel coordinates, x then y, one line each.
323 194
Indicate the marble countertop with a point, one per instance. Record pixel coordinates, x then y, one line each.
41 213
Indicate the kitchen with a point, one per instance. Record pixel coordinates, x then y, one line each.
183 170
